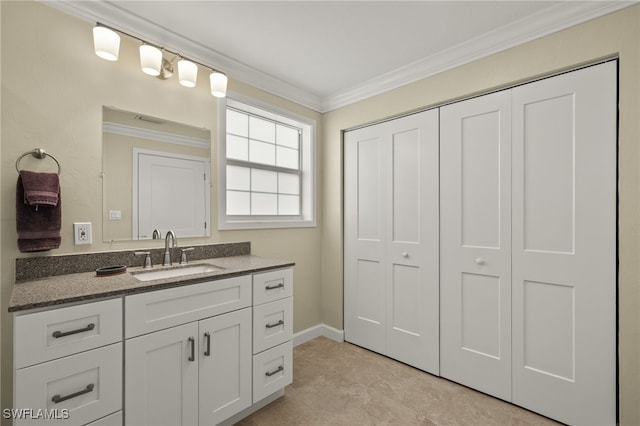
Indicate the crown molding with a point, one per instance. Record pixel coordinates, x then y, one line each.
154 135
553 19
109 13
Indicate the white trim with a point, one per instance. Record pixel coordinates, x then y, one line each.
309 165
561 16
252 409
538 25
317 331
137 132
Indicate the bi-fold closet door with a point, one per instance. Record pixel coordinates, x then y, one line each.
391 239
528 245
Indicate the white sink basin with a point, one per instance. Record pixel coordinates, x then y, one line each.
179 271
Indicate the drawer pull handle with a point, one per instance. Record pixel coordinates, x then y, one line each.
273 287
58 334
271 373
281 322
57 398
192 342
208 337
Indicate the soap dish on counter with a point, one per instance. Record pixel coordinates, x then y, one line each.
108 271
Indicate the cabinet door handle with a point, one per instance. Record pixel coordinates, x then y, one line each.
58 334
271 373
281 322
273 287
192 342
57 398
207 336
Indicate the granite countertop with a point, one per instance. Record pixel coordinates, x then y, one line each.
56 290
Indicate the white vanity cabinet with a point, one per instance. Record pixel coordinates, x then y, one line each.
272 332
189 351
68 365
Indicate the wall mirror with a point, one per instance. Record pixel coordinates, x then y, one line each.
156 177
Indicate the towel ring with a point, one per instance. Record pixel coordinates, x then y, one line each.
38 153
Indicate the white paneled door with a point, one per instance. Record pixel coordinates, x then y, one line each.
528 245
475 273
391 239
564 246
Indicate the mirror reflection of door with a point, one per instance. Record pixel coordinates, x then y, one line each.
169 193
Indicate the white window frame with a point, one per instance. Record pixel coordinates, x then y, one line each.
307 218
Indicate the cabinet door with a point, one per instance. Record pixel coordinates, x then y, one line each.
225 366
564 246
161 378
391 239
475 243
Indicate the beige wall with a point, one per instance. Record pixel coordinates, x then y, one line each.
616 34
53 91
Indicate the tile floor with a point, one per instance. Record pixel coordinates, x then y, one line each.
343 384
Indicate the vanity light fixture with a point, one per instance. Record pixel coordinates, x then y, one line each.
187 73
107 44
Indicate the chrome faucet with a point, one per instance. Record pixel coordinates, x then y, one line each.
157 235
167 253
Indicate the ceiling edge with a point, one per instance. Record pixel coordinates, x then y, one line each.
551 20
110 14
562 16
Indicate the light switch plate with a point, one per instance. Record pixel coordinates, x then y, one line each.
82 233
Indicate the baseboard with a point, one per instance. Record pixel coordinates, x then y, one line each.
317 331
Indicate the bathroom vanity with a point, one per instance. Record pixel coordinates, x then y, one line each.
203 345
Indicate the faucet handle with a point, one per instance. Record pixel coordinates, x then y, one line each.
147 259
183 255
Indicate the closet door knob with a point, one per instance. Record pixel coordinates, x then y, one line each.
405 254
480 261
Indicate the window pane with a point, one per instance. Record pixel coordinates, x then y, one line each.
264 181
262 129
237 148
263 153
264 204
287 136
238 203
287 157
238 178
237 123
288 204
288 184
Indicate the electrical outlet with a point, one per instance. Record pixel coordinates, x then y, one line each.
82 233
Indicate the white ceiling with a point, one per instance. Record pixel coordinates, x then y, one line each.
327 54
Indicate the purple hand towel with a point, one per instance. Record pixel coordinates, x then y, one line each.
38 211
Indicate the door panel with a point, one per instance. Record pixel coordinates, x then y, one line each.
364 200
225 366
391 239
564 246
475 246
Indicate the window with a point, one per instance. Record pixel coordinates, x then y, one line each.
266 174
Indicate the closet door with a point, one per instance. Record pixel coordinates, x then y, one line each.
475 253
391 239
564 246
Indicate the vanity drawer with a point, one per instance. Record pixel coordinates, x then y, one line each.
272 370
157 310
47 335
272 285
85 387
272 324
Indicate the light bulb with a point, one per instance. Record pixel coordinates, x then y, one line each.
150 59
106 43
187 73
218 84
